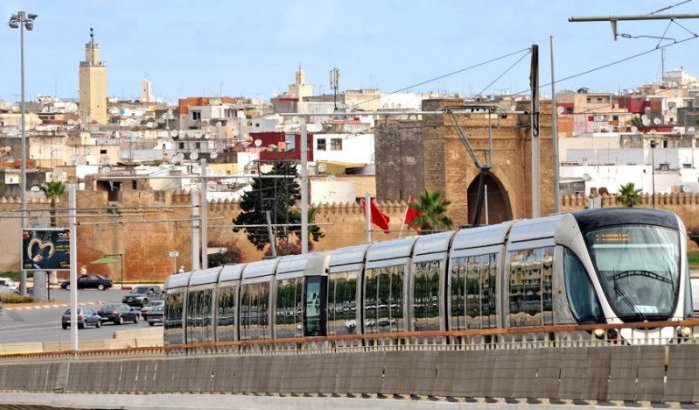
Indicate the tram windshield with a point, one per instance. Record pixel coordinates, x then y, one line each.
638 266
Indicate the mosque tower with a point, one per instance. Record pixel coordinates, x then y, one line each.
93 85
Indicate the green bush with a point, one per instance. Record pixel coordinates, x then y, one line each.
11 274
16 298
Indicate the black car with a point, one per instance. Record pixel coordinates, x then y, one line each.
118 313
90 282
141 295
156 315
86 317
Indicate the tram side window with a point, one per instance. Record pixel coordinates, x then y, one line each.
384 299
458 291
225 326
530 287
473 292
581 294
205 312
426 295
288 310
254 311
193 316
342 303
173 318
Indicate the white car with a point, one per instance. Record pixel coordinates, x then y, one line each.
7 282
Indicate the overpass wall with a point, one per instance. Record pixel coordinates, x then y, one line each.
650 373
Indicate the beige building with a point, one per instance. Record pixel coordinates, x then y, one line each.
300 88
93 85
145 95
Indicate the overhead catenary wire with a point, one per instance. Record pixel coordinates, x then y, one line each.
503 73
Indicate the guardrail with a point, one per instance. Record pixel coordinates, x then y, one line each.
559 336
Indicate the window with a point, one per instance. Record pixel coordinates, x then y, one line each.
196 115
531 273
103 152
335 144
226 319
199 324
582 299
288 310
383 309
426 295
229 113
321 144
472 285
290 142
615 117
254 311
315 298
181 145
174 333
342 303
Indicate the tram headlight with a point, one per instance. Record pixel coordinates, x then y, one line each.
599 333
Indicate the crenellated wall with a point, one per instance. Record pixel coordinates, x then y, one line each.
145 234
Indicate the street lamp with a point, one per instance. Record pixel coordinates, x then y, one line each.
23 20
653 144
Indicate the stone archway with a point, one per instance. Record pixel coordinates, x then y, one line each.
499 207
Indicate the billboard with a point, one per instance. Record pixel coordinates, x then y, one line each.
46 249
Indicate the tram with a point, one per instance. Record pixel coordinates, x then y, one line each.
613 265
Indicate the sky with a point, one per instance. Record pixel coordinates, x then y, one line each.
252 48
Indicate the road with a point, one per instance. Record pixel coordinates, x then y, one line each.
43 324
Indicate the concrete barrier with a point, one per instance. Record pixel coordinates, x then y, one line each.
608 373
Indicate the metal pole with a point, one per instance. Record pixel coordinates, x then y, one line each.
652 168
367 216
204 221
272 244
196 243
121 269
304 187
23 187
536 205
73 231
554 139
487 219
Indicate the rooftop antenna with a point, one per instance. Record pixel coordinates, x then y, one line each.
335 83
92 36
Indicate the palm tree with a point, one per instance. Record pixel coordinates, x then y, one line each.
629 195
53 190
432 208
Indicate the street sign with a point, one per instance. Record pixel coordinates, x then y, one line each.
172 254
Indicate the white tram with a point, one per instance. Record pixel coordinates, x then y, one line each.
611 265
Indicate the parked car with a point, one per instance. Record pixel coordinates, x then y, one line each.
141 295
145 311
90 282
9 283
118 313
86 317
4 290
156 315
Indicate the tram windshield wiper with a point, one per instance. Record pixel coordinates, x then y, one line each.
623 296
640 272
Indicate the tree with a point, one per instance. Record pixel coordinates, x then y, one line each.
636 121
432 208
278 196
629 195
231 255
53 190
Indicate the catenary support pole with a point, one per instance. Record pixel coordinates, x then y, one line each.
196 243
204 218
535 158
367 216
304 187
73 232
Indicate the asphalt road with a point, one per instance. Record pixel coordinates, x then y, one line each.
43 324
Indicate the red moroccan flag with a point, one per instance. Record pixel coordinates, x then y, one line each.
378 218
411 213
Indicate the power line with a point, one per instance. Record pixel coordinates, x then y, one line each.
669 7
504 72
461 70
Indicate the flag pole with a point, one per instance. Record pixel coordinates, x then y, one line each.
367 216
403 224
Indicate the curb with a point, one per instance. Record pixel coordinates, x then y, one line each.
51 306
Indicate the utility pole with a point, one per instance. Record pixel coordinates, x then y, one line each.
304 187
196 243
73 232
204 218
554 139
534 80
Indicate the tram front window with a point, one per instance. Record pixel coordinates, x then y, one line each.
638 267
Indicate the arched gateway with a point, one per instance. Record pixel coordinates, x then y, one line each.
497 207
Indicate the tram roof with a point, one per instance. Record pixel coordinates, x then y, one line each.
178 280
204 277
231 272
260 268
299 265
481 236
347 258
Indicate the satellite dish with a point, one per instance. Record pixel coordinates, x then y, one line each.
559 110
174 133
657 121
106 170
194 155
258 143
214 155
207 136
634 129
691 130
219 124
645 120
35 188
322 167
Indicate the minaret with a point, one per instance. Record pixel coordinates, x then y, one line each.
300 88
146 95
93 85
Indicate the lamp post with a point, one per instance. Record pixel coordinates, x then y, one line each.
653 144
23 20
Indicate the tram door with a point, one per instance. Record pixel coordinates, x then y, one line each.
315 313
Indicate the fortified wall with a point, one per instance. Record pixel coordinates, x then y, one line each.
144 226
